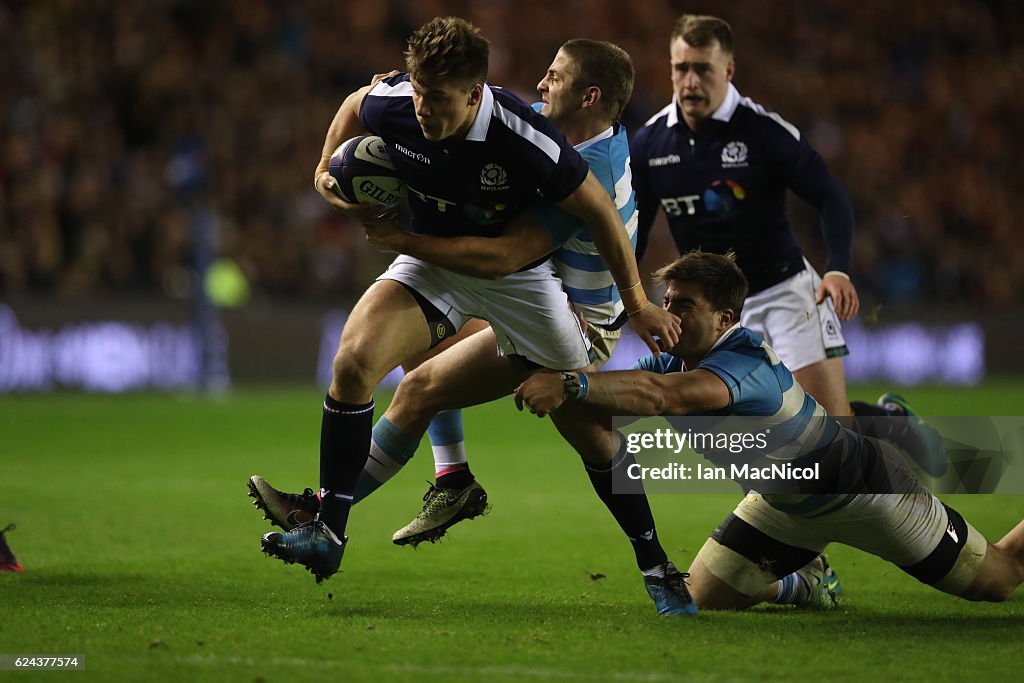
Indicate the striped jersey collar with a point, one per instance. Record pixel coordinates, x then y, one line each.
723 113
603 135
725 335
482 123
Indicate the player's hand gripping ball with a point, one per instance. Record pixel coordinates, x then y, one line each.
364 172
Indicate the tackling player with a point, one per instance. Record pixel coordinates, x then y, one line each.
865 499
473 157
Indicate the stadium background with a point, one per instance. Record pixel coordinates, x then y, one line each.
138 139
127 125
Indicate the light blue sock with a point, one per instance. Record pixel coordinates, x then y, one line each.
390 449
790 588
446 439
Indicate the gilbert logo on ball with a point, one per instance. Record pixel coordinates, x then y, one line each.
365 173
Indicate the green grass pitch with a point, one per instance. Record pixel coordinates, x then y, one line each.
141 552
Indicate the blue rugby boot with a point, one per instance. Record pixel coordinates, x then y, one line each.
670 594
313 545
921 442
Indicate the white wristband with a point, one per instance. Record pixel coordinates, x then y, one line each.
836 272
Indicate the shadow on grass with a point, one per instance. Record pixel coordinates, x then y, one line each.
267 592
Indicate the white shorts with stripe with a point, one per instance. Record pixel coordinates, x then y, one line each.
528 311
801 332
914 530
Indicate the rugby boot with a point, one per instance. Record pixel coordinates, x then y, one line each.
822 585
670 594
313 545
442 508
8 562
286 510
922 443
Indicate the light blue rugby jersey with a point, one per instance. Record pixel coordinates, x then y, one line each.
760 386
584 273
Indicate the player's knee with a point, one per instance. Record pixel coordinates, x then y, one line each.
999 592
354 368
989 591
997 580
419 389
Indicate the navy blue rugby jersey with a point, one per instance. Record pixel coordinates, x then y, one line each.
512 156
724 187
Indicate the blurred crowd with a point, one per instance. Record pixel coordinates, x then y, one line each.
121 121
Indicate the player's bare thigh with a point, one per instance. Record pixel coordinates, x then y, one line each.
826 382
472 326
385 328
468 373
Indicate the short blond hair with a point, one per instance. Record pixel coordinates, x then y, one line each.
701 30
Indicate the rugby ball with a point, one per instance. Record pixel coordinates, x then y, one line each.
364 172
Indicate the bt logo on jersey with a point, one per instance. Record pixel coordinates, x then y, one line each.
672 205
721 198
440 203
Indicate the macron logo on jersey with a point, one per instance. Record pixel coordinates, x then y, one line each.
415 156
664 161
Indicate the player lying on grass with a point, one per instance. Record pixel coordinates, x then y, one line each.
473 157
719 368
584 91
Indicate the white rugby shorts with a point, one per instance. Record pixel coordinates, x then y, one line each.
528 311
913 530
801 332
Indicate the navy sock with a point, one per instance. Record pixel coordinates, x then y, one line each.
455 477
344 448
631 510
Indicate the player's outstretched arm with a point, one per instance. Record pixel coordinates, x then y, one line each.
591 203
522 243
625 392
344 126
